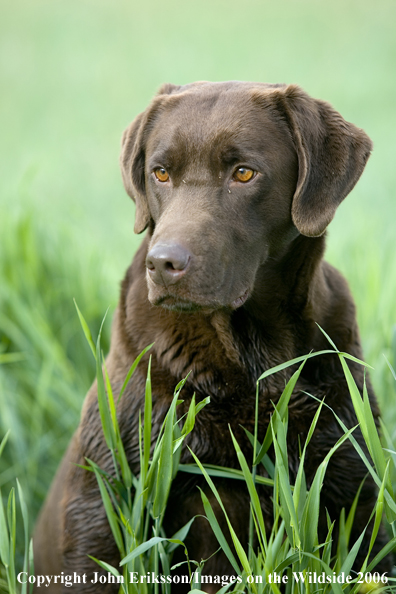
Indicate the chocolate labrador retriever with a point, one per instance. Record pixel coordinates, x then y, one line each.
236 184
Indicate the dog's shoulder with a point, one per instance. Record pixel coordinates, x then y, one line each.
337 309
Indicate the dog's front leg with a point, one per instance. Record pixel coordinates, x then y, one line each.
87 532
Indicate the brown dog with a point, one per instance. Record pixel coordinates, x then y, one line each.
236 184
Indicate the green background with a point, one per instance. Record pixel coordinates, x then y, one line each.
73 75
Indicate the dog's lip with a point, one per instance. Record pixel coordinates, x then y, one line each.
176 303
240 300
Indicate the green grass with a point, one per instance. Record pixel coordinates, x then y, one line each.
135 505
45 368
73 75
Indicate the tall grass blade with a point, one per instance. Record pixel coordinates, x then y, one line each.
326 554
335 587
201 404
390 503
132 370
180 535
4 441
328 338
148 405
165 465
254 498
145 546
310 517
378 510
86 330
219 471
190 420
300 483
110 400
351 514
238 547
214 524
285 490
104 411
386 550
294 361
110 513
4 536
26 533
370 434
393 372
351 557
281 407
106 566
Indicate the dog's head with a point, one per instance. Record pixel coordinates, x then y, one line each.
226 175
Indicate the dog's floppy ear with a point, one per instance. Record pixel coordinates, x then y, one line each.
332 154
132 169
133 156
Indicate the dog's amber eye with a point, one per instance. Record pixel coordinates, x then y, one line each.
161 174
243 174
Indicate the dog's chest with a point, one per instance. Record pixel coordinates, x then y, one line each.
230 413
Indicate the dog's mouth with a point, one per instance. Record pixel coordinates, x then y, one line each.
240 300
181 304
177 304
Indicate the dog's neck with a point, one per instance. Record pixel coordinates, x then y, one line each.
288 300
260 334
287 282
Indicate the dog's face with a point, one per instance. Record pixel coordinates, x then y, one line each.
226 175
220 176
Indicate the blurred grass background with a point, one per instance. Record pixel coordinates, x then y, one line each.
73 75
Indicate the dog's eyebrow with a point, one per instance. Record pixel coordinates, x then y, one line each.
160 158
231 155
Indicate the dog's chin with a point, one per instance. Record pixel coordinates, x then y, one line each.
182 305
178 305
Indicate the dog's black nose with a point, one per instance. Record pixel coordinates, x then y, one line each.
167 263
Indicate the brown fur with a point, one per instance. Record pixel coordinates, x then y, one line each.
249 298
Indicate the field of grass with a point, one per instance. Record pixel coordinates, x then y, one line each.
73 75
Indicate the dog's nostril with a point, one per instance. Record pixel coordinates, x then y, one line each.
167 263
